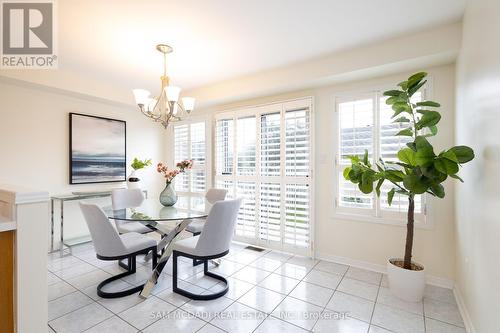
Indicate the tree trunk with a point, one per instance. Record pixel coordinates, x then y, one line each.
409 232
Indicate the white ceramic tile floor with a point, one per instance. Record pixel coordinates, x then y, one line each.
301 292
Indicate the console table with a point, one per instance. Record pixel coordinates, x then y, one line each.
71 197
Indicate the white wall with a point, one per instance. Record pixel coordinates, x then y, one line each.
34 142
433 47
477 201
368 242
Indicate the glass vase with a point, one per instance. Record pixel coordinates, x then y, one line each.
168 197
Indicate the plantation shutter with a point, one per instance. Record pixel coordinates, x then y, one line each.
181 152
356 120
224 145
263 155
190 143
365 123
297 220
270 140
246 140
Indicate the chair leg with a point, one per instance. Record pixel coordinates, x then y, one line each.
155 258
204 297
124 265
174 271
131 269
197 262
132 264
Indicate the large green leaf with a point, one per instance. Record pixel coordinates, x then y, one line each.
463 153
407 156
415 184
365 157
394 175
400 107
393 92
415 79
393 99
390 196
433 174
379 185
346 173
457 177
433 131
438 190
405 132
450 155
424 156
429 103
430 118
366 185
446 166
421 142
415 88
401 120
403 85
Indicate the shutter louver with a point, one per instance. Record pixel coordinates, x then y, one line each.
246 222
190 143
297 213
270 211
297 141
270 138
246 139
224 145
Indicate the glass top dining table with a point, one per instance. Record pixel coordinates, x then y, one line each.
169 222
151 211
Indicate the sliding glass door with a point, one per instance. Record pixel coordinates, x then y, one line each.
264 155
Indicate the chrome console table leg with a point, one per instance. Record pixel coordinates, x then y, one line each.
51 225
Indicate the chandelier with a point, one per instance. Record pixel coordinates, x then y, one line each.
164 108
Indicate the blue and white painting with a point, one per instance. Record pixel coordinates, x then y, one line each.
97 149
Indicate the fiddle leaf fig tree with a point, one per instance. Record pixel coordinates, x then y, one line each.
419 168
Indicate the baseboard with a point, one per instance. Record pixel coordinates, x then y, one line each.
430 279
463 311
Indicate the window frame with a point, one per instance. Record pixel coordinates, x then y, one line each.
208 151
257 111
376 214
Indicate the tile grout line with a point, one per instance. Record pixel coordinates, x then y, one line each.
247 265
336 288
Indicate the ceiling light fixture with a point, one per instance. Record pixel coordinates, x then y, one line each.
164 108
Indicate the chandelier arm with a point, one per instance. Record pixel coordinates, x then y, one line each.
163 109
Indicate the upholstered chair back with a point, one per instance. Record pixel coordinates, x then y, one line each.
107 241
215 194
126 198
219 228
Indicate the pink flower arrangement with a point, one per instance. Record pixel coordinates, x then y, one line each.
170 174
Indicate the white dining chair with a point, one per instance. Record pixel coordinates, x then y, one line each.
212 196
110 245
213 242
122 198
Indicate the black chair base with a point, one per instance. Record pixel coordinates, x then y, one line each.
131 269
204 260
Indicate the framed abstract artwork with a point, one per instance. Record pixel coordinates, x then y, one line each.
98 149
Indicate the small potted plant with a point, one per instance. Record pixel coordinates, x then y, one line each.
137 164
419 170
168 197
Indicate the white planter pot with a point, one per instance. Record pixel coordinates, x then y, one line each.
133 181
408 285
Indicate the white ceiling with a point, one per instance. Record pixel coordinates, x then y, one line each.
214 40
